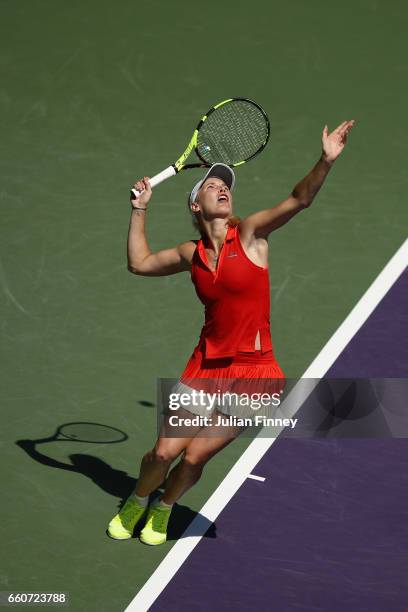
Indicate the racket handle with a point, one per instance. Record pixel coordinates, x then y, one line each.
155 180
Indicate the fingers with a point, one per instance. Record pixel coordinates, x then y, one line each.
340 133
345 131
344 127
143 184
144 189
146 181
348 125
340 127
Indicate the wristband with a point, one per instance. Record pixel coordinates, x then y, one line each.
137 208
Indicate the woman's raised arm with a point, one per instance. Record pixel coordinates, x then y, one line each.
140 258
262 223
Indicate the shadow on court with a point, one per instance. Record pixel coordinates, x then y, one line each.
352 408
120 485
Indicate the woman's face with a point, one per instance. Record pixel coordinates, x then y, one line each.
214 199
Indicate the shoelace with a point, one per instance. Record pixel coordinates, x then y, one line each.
159 519
128 511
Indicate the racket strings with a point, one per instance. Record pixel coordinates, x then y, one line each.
233 133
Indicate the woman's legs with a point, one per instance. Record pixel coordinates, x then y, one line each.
154 467
198 451
155 463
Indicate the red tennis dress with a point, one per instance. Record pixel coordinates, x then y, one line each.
237 303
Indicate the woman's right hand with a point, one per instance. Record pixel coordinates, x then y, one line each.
144 186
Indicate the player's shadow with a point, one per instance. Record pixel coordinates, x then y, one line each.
120 485
342 408
352 408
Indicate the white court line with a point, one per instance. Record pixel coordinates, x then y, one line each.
260 478
259 446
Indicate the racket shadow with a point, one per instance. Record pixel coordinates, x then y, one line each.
114 482
119 484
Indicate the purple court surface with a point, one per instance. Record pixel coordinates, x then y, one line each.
328 528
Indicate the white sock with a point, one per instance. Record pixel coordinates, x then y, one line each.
142 501
163 504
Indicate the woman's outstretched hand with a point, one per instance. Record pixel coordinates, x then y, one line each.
334 143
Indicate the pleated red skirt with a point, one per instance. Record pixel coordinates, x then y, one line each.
245 373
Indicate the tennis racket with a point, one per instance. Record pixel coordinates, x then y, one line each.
232 132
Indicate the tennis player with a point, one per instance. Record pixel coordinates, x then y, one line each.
229 268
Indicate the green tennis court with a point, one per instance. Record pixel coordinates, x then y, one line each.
94 95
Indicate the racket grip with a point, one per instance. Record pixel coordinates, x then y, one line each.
155 180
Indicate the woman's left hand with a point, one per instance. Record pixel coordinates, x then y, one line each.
334 143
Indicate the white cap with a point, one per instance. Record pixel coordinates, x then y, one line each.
221 171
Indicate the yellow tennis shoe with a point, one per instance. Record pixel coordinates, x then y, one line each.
155 530
122 525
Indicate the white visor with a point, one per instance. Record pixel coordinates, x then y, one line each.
221 171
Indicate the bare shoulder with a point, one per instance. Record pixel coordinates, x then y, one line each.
186 250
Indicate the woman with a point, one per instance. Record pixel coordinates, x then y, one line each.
229 270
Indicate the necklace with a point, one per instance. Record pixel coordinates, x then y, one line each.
214 258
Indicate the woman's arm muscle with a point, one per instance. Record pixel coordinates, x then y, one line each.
140 258
165 262
261 224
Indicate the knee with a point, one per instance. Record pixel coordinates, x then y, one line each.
194 460
160 455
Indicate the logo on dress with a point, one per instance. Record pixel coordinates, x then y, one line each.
232 255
